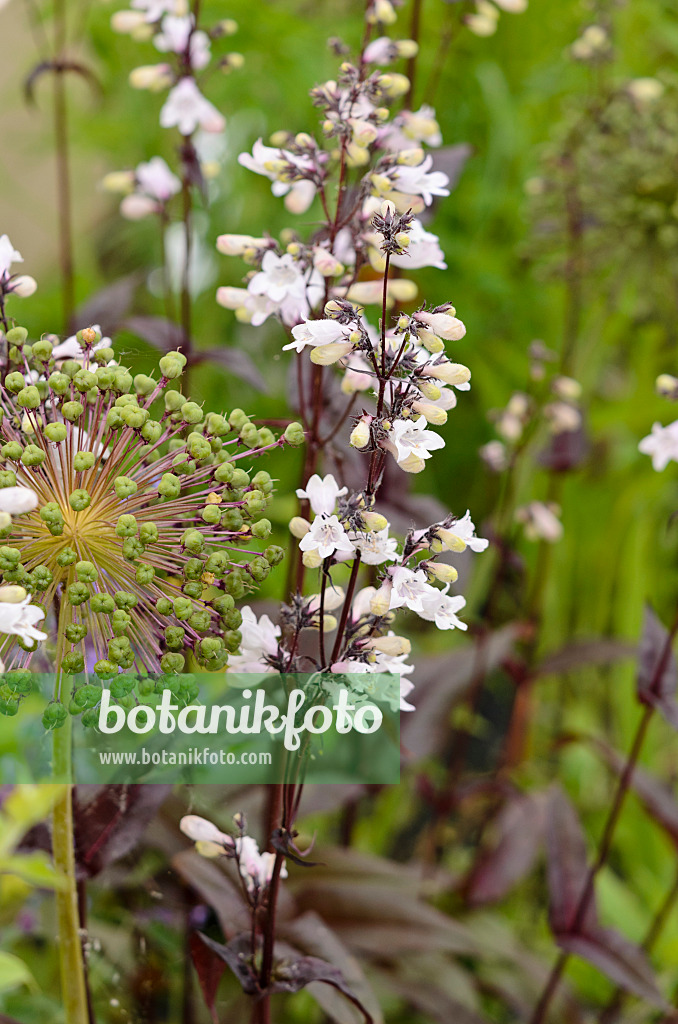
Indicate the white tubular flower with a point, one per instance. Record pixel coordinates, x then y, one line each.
249 308
392 645
256 868
200 830
541 521
322 494
187 109
156 180
409 589
562 417
410 437
316 333
178 36
259 642
445 325
423 251
455 374
327 537
661 444
376 547
325 263
136 207
155 9
275 164
442 609
326 355
20 619
460 535
280 278
236 245
16 500
154 77
8 255
420 181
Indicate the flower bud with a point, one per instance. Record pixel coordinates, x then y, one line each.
136 207
235 245
394 85
311 559
431 342
325 355
410 157
364 133
374 521
332 308
12 595
450 540
154 77
407 48
412 464
667 386
449 373
360 435
444 324
429 390
442 572
125 22
382 12
299 527
394 646
380 602
325 263
24 286
431 413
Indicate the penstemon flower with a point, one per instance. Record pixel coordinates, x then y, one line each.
131 511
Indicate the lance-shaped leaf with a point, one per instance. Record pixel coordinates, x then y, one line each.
657 672
237 955
307 970
656 797
519 829
618 958
209 967
110 820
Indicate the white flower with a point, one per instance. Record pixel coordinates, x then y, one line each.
442 609
316 332
409 588
16 500
178 36
541 521
200 830
445 325
256 868
423 251
420 180
466 531
280 278
328 537
21 619
154 9
156 180
661 444
322 493
271 163
375 547
410 437
259 642
8 255
412 127
187 109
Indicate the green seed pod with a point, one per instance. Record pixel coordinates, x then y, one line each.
183 608
70 367
103 355
193 569
123 599
134 418
59 383
174 637
164 606
274 554
193 541
7 478
144 385
210 647
55 432
234 584
124 487
12 450
132 548
105 669
294 434
90 718
232 619
223 604
198 447
54 716
232 520
148 533
193 588
83 461
174 401
29 398
122 686
105 377
182 464
240 478
216 425
120 622
42 350
114 420
9 558
75 633
32 455
172 365
145 575
211 514
126 526
249 435
237 419
224 473
259 569
265 437
66 556
72 411
84 380
200 621
118 649
169 486
77 593
172 662
86 572
232 640
79 500
73 662
263 482
41 578
15 382
255 502
151 431
102 604
262 529
217 563
122 381
17 336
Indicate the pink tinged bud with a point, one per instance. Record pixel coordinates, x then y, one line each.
299 527
381 601
364 133
232 298
449 373
24 286
394 646
200 830
125 22
325 355
236 245
154 77
326 264
136 207
431 413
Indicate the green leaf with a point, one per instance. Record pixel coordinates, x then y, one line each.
14 972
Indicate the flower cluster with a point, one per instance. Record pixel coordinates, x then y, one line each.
132 516
254 868
662 443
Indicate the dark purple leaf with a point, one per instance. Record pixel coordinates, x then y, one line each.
159 332
567 867
215 888
110 820
108 307
656 797
565 451
519 829
237 362
582 653
209 967
292 977
622 961
657 673
237 955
